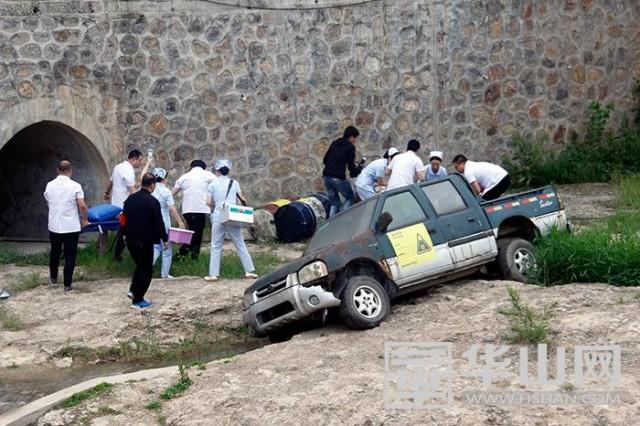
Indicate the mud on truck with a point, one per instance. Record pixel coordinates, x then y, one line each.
401 241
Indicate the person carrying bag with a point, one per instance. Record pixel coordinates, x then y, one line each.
221 191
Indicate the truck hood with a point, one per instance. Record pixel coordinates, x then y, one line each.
281 273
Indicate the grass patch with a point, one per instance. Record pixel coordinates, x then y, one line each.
628 192
96 266
105 410
608 253
27 282
600 155
79 397
526 325
9 321
9 255
153 405
182 385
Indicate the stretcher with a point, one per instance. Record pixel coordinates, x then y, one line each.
102 228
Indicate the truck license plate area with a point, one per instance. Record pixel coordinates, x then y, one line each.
274 312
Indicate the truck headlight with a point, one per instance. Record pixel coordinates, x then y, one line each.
312 272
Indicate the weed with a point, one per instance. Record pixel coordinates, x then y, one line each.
236 330
527 325
153 405
79 397
162 419
568 387
105 410
621 301
181 386
9 255
9 321
27 282
599 156
628 191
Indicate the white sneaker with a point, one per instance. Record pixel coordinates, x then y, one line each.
210 278
250 276
168 277
3 295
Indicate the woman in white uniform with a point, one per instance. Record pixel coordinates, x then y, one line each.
225 191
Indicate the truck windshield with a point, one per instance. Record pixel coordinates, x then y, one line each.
343 227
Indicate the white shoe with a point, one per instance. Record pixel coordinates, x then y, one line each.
210 278
250 276
168 277
3 294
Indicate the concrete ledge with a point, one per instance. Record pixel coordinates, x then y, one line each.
29 413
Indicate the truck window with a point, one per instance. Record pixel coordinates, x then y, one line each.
444 197
342 227
405 210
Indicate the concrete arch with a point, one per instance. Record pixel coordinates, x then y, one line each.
34 136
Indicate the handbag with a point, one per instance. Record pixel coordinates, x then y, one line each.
233 214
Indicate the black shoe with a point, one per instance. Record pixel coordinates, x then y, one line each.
68 288
53 281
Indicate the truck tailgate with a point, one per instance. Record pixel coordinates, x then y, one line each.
535 203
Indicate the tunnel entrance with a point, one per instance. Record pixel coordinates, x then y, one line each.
28 161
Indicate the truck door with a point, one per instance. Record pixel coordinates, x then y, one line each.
414 243
470 236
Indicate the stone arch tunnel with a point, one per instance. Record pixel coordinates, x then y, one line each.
28 161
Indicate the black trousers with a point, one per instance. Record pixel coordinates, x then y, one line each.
195 222
498 190
67 243
119 244
142 255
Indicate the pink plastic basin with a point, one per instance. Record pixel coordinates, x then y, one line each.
182 236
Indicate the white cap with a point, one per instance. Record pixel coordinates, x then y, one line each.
223 163
159 173
436 154
392 151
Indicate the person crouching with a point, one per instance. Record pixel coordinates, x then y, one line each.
223 192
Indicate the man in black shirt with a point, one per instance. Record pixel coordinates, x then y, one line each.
144 228
340 155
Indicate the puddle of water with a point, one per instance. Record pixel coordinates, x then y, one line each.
19 386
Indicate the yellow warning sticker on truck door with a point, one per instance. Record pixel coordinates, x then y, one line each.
412 245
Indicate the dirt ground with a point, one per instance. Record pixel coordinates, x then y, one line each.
328 376
336 376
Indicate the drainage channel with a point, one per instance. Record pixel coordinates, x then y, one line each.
21 385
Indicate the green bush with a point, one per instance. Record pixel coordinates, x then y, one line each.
597 157
593 255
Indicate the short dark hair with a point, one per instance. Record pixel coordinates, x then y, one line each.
459 159
351 132
198 163
413 145
224 171
64 166
159 179
148 179
134 153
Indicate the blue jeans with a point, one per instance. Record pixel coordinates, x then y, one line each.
335 187
167 254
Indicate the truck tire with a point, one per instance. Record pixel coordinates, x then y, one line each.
365 303
516 259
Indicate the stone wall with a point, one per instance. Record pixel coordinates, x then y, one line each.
271 88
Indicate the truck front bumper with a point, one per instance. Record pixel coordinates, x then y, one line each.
264 314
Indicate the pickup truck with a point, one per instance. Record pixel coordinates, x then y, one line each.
397 242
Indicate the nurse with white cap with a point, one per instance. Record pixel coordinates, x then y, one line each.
373 175
225 191
434 170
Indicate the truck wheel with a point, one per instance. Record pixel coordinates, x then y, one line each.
365 303
516 259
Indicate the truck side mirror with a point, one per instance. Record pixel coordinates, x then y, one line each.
384 220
